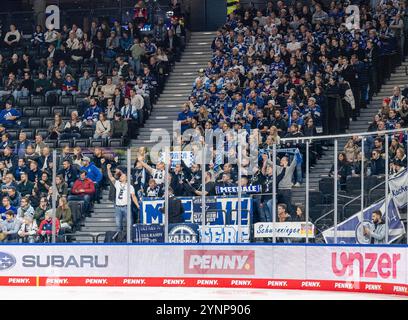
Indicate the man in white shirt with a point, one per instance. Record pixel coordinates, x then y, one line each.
50 36
293 45
72 42
108 89
121 198
156 173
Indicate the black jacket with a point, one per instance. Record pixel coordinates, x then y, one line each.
176 210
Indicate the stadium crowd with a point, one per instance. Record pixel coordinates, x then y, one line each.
75 88
288 71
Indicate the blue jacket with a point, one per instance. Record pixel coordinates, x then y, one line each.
6 113
3 211
21 148
92 113
93 172
183 116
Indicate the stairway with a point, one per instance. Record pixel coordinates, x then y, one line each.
322 167
102 220
177 89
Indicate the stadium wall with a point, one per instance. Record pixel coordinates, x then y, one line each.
379 269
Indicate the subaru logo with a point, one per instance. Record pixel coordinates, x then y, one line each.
7 261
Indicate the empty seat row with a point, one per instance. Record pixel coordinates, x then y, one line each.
46 111
40 100
37 122
85 143
86 132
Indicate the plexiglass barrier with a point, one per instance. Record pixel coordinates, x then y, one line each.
348 189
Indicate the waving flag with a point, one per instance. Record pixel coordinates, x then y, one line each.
351 230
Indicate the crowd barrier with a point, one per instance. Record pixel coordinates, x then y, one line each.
379 269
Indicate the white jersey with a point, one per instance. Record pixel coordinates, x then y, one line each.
121 193
158 176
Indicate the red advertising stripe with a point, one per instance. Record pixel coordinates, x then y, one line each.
18 281
293 284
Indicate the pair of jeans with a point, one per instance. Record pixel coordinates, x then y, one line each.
135 63
298 176
120 215
267 211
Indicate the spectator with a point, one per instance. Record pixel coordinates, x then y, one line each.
69 85
85 83
91 115
122 196
112 45
25 187
61 187
69 173
28 230
41 85
9 116
13 37
108 89
83 190
64 215
351 150
72 128
137 51
129 114
285 185
37 38
24 209
103 127
34 172
93 173
377 236
43 185
39 214
343 170
377 165
10 227
11 86
119 128
45 161
6 207
14 197
45 229
39 144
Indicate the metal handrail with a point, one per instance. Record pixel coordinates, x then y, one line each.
346 135
374 188
331 211
99 235
351 201
92 236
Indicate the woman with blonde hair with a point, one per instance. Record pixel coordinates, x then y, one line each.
273 131
351 150
77 157
64 214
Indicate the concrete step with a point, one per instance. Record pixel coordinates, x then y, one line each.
104 215
96 219
99 225
197 56
190 67
102 209
108 205
98 229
